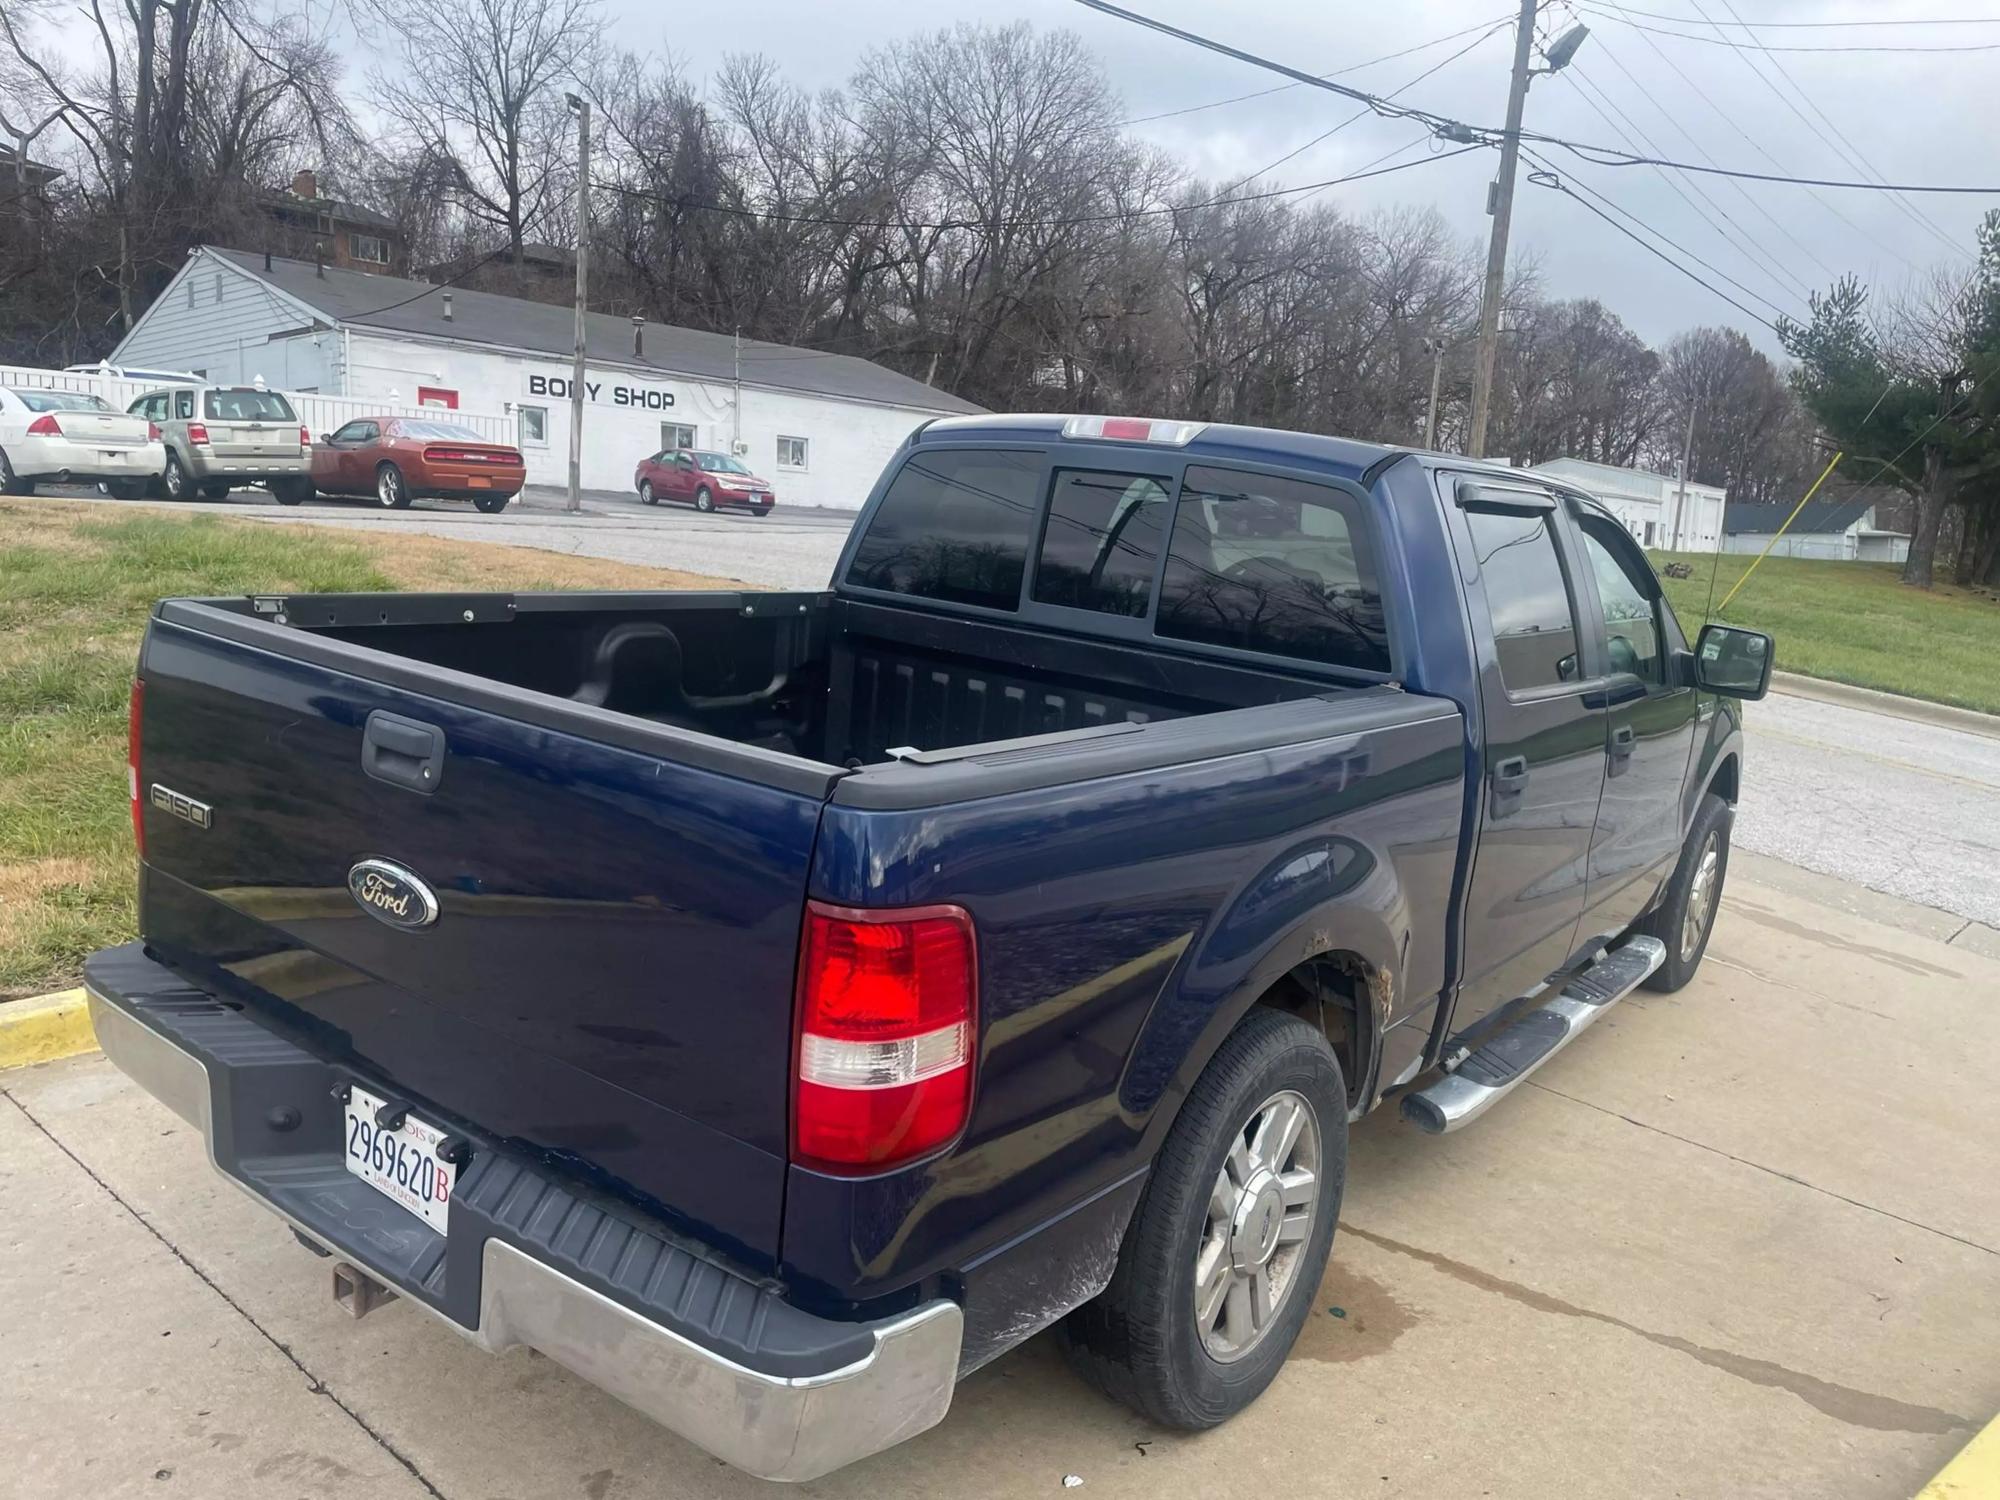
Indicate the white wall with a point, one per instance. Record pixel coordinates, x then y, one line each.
849 442
1836 546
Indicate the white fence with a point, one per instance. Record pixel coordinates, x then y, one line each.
321 414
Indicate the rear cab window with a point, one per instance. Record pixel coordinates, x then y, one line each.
1203 554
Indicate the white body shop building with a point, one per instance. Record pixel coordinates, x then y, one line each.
1656 508
819 426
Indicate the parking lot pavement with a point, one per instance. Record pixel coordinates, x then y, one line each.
1737 1241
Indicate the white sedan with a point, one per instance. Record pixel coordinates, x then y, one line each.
71 437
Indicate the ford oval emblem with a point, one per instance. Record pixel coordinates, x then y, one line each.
389 893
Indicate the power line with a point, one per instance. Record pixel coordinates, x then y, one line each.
1436 41
1548 178
1661 235
1363 113
1713 41
1460 130
1856 159
1754 144
1656 15
1116 217
1764 258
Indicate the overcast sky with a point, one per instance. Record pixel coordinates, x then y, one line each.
1914 116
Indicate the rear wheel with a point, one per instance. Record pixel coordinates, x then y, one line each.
492 505
126 489
391 490
646 495
291 491
216 489
1223 1258
174 479
703 500
10 482
1686 914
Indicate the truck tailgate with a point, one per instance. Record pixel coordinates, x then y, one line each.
609 976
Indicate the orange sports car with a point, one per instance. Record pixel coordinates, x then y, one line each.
399 459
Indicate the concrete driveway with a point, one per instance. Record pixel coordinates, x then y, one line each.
1740 1241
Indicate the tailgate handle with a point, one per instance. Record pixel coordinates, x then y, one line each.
403 752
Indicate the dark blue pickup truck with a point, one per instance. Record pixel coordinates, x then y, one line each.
773 1006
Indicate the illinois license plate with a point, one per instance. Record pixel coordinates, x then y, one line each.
401 1164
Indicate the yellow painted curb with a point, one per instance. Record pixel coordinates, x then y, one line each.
44 1029
1974 1474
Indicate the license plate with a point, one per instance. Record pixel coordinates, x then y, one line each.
479 481
401 1164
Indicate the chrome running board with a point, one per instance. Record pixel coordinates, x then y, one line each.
1487 1076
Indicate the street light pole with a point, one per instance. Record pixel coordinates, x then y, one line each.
1502 209
581 109
1687 453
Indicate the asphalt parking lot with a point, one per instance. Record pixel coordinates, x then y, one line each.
1739 1241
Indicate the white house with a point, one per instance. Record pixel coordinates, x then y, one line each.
1841 530
819 426
1656 508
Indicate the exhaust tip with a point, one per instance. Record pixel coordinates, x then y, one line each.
1423 1114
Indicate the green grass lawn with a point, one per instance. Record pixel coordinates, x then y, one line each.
1855 622
76 584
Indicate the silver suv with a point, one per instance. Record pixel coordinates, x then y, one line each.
218 437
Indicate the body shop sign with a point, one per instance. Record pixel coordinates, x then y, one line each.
602 390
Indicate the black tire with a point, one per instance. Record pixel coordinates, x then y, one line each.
392 491
704 501
762 510
10 482
126 489
491 505
291 491
215 489
174 481
646 495
1139 1342
1669 920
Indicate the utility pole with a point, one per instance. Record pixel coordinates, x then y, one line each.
1687 454
736 401
579 107
1437 347
1502 208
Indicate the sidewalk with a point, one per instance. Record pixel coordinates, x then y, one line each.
1737 1241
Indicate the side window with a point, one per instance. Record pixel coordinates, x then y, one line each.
348 434
1274 565
1101 542
183 406
369 431
953 525
1534 623
1626 592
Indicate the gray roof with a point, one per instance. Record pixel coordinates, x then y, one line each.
1818 517
364 300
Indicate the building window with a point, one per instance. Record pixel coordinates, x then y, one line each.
218 286
1649 533
368 247
534 426
190 289
675 435
791 453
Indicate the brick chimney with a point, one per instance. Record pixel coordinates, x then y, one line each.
305 184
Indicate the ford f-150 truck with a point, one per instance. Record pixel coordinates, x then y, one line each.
772 1006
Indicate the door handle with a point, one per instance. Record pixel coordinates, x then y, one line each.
403 752
1510 777
1623 738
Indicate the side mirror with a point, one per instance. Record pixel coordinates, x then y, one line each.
1735 663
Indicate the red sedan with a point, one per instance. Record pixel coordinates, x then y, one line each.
399 459
703 478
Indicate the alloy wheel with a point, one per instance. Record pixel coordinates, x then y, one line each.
1261 1211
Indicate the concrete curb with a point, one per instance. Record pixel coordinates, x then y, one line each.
1944 715
44 1028
1974 1474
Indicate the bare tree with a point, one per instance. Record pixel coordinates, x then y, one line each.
478 87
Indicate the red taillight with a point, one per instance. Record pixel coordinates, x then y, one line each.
44 427
198 433
887 1001
136 713
152 432
305 437
468 456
